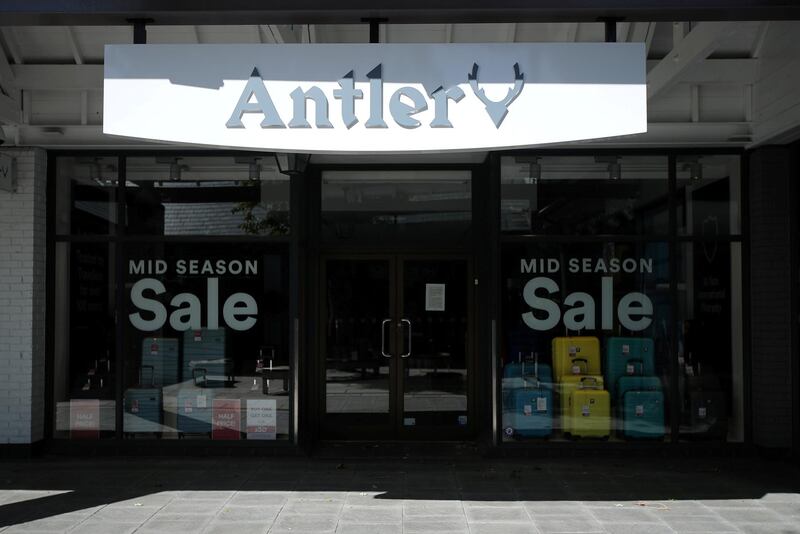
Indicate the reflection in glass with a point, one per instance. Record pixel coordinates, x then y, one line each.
586 342
434 343
709 190
584 195
358 336
710 344
396 206
85 363
206 344
86 192
206 196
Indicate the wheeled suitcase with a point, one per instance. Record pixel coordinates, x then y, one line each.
205 348
567 385
528 368
142 406
640 406
162 355
576 355
528 410
588 411
628 356
194 407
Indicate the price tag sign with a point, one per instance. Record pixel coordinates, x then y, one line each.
262 419
541 404
527 410
585 410
702 412
629 369
639 410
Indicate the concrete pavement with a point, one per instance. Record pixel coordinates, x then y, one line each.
399 496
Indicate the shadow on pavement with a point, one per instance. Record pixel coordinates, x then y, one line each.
43 488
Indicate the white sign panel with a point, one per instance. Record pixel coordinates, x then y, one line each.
434 297
375 98
261 419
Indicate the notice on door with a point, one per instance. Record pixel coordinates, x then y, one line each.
434 297
261 419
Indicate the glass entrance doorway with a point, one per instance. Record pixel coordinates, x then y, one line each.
396 347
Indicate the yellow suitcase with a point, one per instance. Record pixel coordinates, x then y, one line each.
567 385
578 355
589 412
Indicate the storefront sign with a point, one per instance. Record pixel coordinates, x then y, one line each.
387 98
634 310
226 419
239 310
261 419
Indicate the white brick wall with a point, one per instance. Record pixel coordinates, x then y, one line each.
22 299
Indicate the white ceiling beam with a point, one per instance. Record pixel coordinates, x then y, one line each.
73 46
571 32
9 34
58 77
695 47
8 85
717 71
761 36
448 33
278 36
196 34
312 33
510 33
642 32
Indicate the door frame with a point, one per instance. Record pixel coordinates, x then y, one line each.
395 428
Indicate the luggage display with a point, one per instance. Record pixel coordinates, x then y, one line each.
528 410
588 410
628 356
194 407
526 368
143 405
576 355
162 355
567 385
640 407
527 399
205 348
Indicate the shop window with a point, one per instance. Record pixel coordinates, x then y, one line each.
709 195
182 196
206 342
586 341
585 195
86 192
396 207
85 362
710 344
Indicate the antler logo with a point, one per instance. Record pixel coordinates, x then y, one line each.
497 110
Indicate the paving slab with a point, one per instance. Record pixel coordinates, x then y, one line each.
400 496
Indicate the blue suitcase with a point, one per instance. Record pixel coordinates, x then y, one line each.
142 407
640 406
628 356
194 410
162 355
205 348
528 410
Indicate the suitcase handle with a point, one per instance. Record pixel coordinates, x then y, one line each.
152 374
198 371
592 381
573 361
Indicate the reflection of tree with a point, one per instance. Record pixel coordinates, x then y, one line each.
270 222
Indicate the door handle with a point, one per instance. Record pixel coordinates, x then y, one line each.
383 338
407 354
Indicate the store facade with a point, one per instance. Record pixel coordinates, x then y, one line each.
405 267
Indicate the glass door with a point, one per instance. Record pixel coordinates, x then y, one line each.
396 347
434 319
